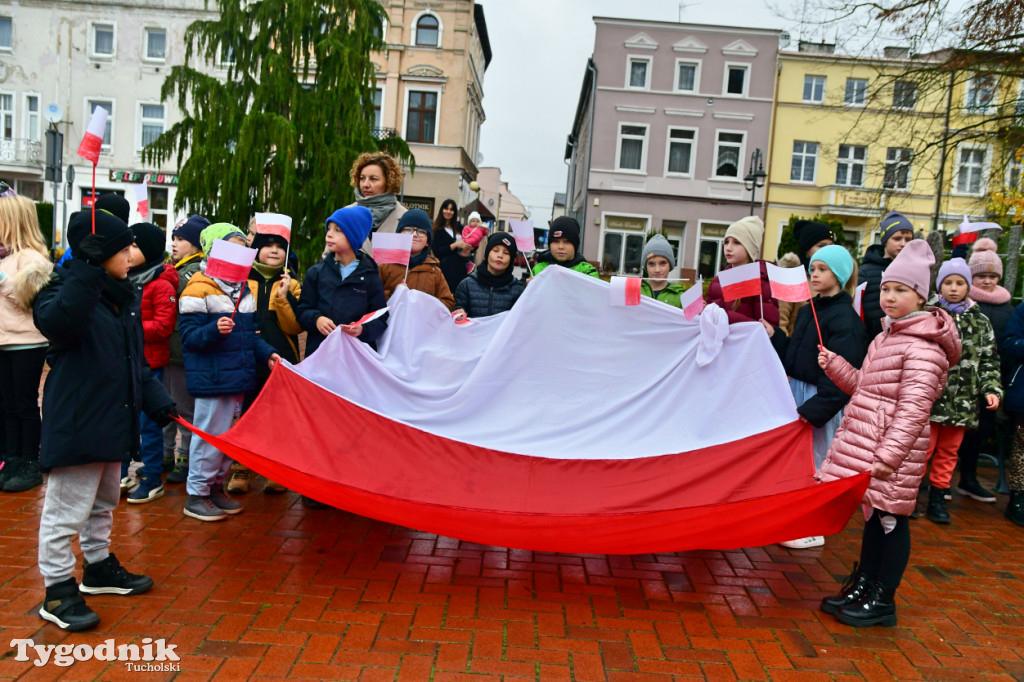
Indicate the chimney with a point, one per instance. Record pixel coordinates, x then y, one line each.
818 48
896 52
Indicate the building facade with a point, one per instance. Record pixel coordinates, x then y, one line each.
668 118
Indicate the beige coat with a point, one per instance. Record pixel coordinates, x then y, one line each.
16 327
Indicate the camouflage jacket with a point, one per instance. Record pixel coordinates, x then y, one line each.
976 375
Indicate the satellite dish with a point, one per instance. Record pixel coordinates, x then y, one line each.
53 113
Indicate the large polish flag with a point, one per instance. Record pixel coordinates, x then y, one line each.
92 141
392 247
276 224
688 437
230 262
740 281
788 284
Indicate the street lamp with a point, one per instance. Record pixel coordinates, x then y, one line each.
755 178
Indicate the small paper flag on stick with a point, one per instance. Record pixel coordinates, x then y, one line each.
142 199
523 232
230 262
276 224
969 231
391 248
788 284
858 299
741 281
692 300
371 316
89 149
625 291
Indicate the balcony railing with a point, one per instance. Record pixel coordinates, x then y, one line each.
383 133
21 153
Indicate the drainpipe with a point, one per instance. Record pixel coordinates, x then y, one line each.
592 70
771 154
942 154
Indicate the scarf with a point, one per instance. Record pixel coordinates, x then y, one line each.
231 289
145 273
419 258
887 321
955 308
997 297
186 259
268 272
116 292
380 205
485 277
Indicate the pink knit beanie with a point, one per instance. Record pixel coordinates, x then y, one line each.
985 259
912 267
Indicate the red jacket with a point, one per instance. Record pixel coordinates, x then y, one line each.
159 313
747 309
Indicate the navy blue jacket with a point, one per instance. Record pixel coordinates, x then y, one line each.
324 293
1012 351
870 271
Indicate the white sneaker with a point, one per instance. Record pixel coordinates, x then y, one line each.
128 484
804 543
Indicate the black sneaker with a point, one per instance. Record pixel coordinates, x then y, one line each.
24 477
179 474
65 607
7 470
110 577
974 490
168 464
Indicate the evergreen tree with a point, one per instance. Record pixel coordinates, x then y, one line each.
281 132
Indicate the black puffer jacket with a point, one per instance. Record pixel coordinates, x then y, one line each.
479 300
842 332
99 379
871 269
453 263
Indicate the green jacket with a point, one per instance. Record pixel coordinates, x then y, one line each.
670 294
976 375
584 267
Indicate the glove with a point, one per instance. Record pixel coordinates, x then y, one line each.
90 249
166 414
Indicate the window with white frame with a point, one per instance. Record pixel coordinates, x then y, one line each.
804 166
421 116
102 44
378 100
155 44
227 55
428 30
107 132
970 170
6 116
632 147
1015 172
814 89
850 165
856 94
32 117
687 76
151 123
980 95
6 34
622 250
679 156
897 168
904 95
638 73
736 79
158 207
728 154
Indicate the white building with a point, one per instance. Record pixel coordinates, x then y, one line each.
78 55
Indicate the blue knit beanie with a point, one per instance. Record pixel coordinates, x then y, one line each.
837 259
191 229
355 222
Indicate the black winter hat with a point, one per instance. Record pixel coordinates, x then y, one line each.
504 239
418 219
150 240
565 227
261 240
810 232
115 233
114 204
191 229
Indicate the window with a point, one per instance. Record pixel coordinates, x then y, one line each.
152 123
970 170
428 29
6 33
687 76
728 153
378 99
638 72
735 79
897 168
632 147
1015 172
805 162
6 116
622 251
227 55
814 89
856 92
981 93
107 132
156 44
710 254
680 151
158 207
850 165
422 121
904 95
103 40
32 117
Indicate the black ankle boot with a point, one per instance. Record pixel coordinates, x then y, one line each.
10 466
854 589
877 608
25 477
65 607
937 506
1015 507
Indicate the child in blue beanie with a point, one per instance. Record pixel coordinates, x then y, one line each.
345 286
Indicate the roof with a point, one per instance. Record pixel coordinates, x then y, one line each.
481 29
581 106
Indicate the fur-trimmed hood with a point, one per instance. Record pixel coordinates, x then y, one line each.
29 281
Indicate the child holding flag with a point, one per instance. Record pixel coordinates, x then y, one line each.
659 260
424 271
491 289
742 247
885 430
563 248
975 377
222 347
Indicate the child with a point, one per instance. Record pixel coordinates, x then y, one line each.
810 236
895 232
187 254
220 366
994 302
819 401
345 285
424 272
659 261
97 383
22 347
743 245
885 430
563 248
277 296
975 377
491 289
158 283
474 232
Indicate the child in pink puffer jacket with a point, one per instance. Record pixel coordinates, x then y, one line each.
885 430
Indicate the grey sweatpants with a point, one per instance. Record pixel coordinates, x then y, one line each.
80 500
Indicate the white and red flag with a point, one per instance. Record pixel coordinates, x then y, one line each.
625 291
969 231
276 224
523 232
142 199
229 262
692 300
89 148
858 299
392 247
371 316
788 284
740 281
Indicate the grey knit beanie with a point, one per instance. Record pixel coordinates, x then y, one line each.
659 246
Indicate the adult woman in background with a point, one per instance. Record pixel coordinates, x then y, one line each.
448 245
377 179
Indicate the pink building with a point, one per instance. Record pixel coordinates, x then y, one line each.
676 111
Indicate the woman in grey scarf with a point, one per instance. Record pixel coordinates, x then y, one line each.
377 178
